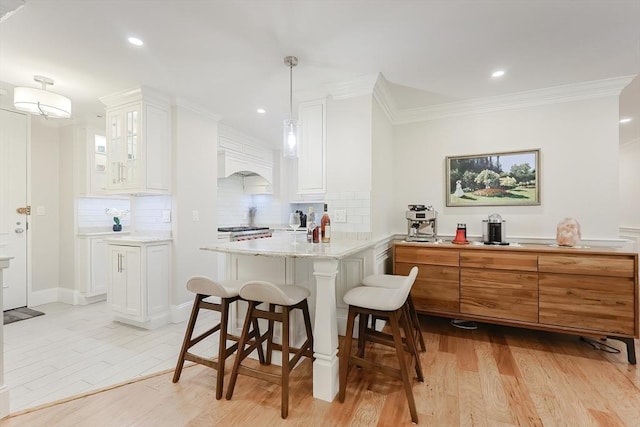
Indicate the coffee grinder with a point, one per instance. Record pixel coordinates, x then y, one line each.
494 230
421 223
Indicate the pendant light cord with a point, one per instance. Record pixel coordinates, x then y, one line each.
291 91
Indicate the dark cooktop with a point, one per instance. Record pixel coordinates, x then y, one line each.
239 229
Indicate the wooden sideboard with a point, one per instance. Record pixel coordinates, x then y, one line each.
580 291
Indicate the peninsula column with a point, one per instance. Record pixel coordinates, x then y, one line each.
325 331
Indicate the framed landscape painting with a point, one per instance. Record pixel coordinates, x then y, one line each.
495 179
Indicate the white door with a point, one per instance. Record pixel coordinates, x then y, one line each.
13 195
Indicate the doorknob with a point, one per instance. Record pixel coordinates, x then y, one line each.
19 230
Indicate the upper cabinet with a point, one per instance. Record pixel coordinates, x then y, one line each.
138 142
91 151
312 160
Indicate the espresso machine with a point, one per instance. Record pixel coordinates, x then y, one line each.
494 230
421 224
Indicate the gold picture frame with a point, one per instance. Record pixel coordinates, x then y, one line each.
510 178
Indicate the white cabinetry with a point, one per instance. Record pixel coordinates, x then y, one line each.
92 270
91 151
138 283
138 142
312 160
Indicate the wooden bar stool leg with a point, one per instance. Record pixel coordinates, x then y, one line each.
409 332
222 347
345 354
270 331
307 325
244 337
286 369
362 332
416 322
256 334
397 338
187 336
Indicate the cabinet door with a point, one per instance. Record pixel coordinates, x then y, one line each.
501 294
131 147
597 303
436 289
157 148
125 280
312 150
99 264
114 148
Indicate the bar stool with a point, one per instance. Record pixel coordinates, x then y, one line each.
386 303
391 281
227 291
287 298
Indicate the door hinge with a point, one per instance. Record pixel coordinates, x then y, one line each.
24 211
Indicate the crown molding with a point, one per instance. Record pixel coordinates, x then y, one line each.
531 98
141 93
183 103
359 86
382 94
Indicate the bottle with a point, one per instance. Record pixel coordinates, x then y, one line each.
311 225
325 226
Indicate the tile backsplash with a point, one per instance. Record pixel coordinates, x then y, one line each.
91 212
234 204
145 213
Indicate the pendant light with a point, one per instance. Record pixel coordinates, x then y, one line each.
290 140
41 101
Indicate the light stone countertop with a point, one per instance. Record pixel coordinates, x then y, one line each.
138 239
281 245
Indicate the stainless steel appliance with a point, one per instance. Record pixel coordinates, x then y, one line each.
494 230
245 232
421 224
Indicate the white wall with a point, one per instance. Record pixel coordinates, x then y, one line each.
44 229
578 142
195 137
349 163
383 172
630 185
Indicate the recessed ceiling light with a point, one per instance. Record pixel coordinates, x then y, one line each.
261 111
625 120
135 41
498 73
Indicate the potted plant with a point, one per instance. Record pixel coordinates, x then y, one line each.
117 215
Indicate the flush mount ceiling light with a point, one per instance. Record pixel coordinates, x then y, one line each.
625 120
290 147
40 101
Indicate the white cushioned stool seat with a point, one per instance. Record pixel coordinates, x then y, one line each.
259 290
205 286
375 298
384 281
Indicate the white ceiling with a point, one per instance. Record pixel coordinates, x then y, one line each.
227 56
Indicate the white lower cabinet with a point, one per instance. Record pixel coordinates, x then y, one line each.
91 265
139 278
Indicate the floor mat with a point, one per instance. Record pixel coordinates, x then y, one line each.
18 314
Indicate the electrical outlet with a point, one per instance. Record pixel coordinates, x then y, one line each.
166 216
40 210
195 215
340 215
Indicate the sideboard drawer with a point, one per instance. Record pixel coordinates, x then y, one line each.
499 260
591 265
431 256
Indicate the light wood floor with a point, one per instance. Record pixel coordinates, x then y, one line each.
493 376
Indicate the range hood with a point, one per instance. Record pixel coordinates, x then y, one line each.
230 163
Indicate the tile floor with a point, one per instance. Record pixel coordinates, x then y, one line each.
75 349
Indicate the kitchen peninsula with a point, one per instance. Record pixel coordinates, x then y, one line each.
327 270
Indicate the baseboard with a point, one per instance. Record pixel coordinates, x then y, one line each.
181 312
4 401
45 296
